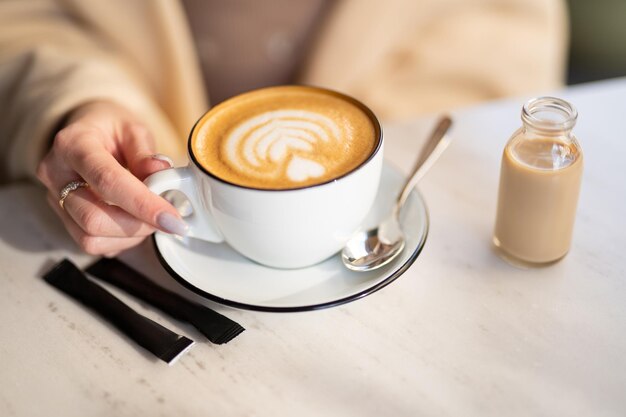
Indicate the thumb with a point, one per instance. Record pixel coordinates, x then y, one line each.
138 151
146 165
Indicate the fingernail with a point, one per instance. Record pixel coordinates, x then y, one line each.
172 224
164 158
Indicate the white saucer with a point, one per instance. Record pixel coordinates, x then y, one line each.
218 273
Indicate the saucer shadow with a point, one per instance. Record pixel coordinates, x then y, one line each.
221 251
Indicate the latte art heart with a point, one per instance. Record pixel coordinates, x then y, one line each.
301 169
284 137
283 142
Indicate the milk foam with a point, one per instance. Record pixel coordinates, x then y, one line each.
281 142
284 137
301 169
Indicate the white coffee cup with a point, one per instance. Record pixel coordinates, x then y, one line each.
288 228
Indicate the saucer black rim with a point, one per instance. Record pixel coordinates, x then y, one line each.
399 271
294 309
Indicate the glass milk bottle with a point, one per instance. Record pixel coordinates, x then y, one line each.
540 179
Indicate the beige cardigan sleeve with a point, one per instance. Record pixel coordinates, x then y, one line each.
401 57
407 57
53 58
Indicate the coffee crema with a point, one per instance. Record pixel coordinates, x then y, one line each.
284 137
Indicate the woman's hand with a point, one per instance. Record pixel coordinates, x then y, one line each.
107 147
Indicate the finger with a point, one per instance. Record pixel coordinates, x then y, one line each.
53 172
115 184
93 245
137 148
97 218
145 166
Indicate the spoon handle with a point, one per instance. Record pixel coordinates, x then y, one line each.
430 152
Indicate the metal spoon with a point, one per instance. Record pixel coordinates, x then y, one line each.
376 247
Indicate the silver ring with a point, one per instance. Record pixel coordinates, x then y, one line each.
72 186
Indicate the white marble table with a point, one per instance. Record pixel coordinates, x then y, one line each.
461 333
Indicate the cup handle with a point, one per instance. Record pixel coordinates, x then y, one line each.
182 179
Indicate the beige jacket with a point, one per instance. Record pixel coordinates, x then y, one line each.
401 57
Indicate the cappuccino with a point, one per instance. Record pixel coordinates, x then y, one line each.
285 137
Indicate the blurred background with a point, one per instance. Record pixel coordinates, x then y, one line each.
598 40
